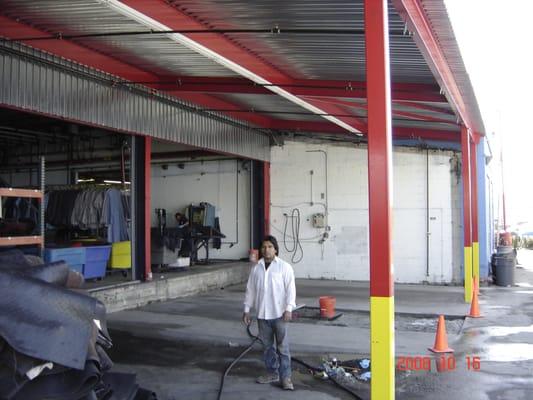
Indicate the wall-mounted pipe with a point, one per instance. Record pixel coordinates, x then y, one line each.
326 173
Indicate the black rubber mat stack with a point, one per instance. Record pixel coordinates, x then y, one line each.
53 337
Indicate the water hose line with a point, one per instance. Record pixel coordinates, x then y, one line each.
256 339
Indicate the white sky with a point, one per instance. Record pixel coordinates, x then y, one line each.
495 41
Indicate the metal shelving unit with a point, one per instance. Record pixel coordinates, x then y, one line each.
22 240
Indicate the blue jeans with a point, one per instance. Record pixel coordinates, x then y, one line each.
268 330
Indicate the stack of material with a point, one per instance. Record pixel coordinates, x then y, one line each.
53 337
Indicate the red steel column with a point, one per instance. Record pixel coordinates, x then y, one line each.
147 208
467 219
266 198
473 186
380 199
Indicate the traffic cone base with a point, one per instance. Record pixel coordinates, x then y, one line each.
474 307
441 339
448 350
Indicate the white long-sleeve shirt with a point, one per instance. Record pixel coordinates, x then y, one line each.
270 291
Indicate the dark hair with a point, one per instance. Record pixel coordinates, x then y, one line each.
273 240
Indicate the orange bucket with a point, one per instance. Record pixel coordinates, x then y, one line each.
327 306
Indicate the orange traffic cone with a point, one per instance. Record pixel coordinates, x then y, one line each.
476 284
474 307
441 340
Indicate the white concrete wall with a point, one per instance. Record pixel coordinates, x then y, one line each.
344 255
213 182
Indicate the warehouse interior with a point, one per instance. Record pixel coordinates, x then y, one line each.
79 160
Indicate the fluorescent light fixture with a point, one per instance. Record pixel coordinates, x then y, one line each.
117 182
218 58
85 180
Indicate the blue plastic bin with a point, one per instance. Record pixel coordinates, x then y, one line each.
73 256
96 258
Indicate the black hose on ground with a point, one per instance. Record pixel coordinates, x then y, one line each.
298 361
226 372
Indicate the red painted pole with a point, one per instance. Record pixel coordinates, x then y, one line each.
473 185
379 148
465 171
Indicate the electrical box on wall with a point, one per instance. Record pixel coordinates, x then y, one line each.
318 220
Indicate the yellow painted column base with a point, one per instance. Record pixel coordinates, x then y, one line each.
475 260
468 274
382 385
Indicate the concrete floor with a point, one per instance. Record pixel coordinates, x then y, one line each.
180 348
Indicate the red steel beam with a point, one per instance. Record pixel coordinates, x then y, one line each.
415 16
361 106
300 87
465 170
379 149
421 106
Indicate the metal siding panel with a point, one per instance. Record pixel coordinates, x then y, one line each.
41 83
2 77
6 66
63 89
11 83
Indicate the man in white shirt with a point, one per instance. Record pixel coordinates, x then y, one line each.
272 293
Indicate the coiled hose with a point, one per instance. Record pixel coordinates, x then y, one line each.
256 339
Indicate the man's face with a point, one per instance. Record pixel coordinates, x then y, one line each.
268 251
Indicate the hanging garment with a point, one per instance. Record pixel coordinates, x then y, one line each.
60 205
87 210
113 217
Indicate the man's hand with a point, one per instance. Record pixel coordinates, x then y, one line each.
246 318
287 316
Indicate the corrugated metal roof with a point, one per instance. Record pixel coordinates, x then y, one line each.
281 108
155 53
300 56
312 56
438 19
